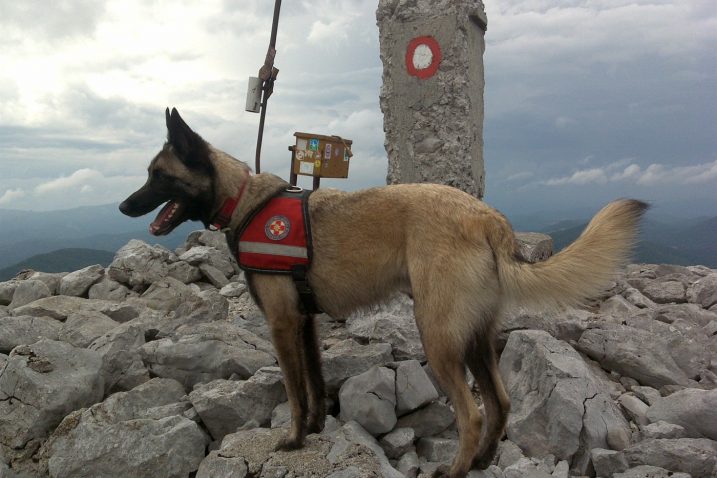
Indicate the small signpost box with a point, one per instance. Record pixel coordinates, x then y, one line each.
319 156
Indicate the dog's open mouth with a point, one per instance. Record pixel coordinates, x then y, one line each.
171 215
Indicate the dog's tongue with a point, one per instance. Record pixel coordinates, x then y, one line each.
164 219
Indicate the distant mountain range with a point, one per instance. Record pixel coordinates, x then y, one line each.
67 240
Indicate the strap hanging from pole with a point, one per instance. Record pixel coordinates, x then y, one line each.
267 74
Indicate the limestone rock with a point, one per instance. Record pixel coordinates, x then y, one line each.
29 291
122 365
348 358
413 387
40 384
664 292
662 429
24 330
225 405
214 275
201 353
534 246
370 399
135 433
137 264
77 283
82 328
704 291
632 352
437 449
184 272
429 420
209 255
233 289
647 471
7 289
108 289
398 442
693 409
391 323
558 404
696 456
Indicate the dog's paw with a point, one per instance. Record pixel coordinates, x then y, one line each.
485 458
316 424
443 471
289 443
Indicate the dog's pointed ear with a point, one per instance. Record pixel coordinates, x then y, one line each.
188 145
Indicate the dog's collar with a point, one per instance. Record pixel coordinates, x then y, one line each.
224 216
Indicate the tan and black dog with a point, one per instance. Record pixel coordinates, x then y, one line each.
455 255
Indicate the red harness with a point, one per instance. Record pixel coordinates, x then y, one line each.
277 237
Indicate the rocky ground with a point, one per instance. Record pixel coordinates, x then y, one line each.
161 366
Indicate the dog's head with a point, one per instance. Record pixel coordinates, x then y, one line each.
181 175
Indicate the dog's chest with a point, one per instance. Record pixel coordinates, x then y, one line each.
276 238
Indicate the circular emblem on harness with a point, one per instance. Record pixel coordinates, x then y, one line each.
277 228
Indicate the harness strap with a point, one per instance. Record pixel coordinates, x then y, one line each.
306 294
224 216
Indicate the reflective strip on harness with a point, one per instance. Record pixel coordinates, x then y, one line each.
277 237
272 249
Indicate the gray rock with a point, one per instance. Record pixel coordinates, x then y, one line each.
29 291
7 289
534 246
508 453
281 415
79 282
209 255
108 289
398 442
696 456
216 465
82 328
348 358
429 420
558 405
409 464
233 289
135 433
168 294
662 429
647 471
25 330
690 313
413 387
4 311
137 264
437 449
184 272
704 291
370 399
632 352
225 405
204 352
562 470
635 408
392 323
566 325
608 462
617 306
350 472
491 472
693 409
122 365
204 237
665 292
214 275
636 298
353 434
647 394
524 468
40 384
60 306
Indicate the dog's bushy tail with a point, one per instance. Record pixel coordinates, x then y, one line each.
581 270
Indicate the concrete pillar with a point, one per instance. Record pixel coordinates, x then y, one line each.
432 94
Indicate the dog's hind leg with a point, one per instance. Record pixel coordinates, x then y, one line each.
445 351
481 360
313 378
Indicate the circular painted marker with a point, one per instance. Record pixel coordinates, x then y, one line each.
423 57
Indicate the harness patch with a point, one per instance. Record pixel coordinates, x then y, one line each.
277 228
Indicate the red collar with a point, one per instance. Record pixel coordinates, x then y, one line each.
224 216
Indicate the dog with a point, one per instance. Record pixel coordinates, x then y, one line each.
456 256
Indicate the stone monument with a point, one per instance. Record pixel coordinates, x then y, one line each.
432 94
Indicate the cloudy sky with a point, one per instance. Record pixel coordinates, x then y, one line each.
586 100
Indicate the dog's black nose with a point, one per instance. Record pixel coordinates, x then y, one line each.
124 208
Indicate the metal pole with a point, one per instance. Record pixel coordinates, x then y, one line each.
268 74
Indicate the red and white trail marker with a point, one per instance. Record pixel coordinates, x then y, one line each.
423 57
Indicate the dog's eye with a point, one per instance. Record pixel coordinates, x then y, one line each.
159 175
